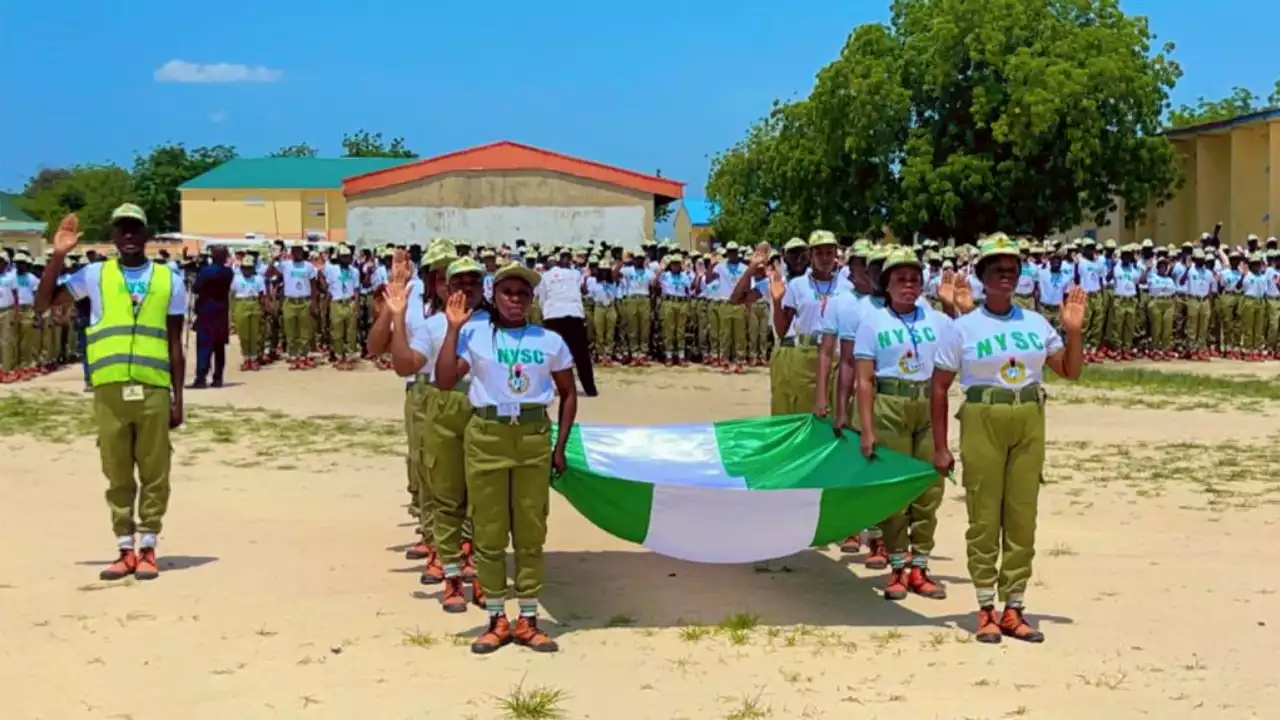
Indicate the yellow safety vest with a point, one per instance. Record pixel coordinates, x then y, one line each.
128 346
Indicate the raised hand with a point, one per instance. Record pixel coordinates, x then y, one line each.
760 257
396 297
456 312
68 235
946 287
777 285
1072 313
962 293
401 269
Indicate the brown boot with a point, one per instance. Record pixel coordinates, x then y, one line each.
988 629
123 567
896 587
529 635
468 561
877 557
454 600
1013 625
921 584
498 634
433 573
147 568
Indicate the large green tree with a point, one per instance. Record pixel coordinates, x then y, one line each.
363 143
157 175
91 191
960 118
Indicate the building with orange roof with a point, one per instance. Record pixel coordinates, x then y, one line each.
501 192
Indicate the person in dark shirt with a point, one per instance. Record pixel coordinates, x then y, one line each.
212 325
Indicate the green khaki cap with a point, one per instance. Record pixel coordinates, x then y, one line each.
818 238
731 246
462 266
878 253
129 211
997 244
517 270
795 243
900 256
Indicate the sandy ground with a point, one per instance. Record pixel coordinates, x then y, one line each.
285 593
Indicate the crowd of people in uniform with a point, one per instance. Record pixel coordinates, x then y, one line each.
870 337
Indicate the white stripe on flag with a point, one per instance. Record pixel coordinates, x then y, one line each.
731 526
665 455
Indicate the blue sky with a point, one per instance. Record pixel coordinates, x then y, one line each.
628 85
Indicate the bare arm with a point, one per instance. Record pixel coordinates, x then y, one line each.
450 367
865 378
568 391
404 359
822 393
939 408
846 374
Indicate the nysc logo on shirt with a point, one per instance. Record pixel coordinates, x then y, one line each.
889 338
511 356
1018 339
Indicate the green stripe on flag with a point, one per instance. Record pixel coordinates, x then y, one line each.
845 511
619 507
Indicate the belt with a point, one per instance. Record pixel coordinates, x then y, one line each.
673 298
1047 305
529 414
811 340
910 389
343 300
988 395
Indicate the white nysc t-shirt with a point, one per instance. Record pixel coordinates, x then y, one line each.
1006 351
87 283
811 300
297 278
426 337
512 367
902 347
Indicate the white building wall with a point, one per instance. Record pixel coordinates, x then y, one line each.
367 226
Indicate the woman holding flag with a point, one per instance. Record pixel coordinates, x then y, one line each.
894 348
1000 352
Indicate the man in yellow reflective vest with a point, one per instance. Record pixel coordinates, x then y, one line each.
134 352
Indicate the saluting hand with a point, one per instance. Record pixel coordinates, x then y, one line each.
396 297
760 257
401 270
1072 313
946 287
456 312
68 235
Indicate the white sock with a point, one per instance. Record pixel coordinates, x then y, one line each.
147 540
124 542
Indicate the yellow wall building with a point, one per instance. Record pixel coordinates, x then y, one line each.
1227 172
274 197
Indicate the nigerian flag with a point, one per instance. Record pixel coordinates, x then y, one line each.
737 491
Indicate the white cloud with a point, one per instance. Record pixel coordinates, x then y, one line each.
219 116
181 71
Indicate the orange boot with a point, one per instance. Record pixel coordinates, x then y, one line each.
921 584
433 573
123 567
148 568
528 634
988 629
896 587
454 600
419 551
493 639
852 544
1015 626
468 561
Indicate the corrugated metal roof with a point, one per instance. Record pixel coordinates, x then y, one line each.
700 211
1259 116
10 211
288 173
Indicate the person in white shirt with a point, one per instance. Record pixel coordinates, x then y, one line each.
999 352
560 296
734 276
676 285
517 370
1198 287
417 337
1090 273
342 283
8 321
301 301
1122 315
247 293
1161 291
893 353
635 311
27 330
604 295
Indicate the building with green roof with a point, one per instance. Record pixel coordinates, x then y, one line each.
289 197
18 228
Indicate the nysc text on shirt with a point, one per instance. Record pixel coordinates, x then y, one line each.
902 346
512 366
1006 351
